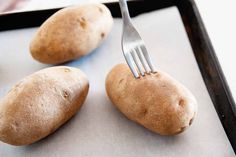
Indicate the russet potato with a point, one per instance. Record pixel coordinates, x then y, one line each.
71 33
40 103
156 101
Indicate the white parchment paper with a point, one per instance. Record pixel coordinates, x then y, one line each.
99 129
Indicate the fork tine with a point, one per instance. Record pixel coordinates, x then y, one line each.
131 65
135 58
142 59
148 60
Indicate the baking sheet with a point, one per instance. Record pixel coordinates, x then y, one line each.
99 129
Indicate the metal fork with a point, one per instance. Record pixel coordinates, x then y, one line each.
133 46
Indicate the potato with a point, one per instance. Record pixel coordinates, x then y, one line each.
156 101
41 103
71 33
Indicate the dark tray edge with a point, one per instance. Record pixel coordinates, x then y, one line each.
210 68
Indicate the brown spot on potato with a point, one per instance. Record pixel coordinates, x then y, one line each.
16 124
83 23
181 129
102 35
143 113
121 81
83 19
163 85
181 102
100 10
67 70
65 94
155 74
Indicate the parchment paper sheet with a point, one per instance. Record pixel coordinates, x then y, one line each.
99 129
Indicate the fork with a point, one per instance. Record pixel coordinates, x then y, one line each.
133 46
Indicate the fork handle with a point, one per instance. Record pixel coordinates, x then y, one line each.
124 11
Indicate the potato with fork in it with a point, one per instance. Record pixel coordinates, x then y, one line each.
156 101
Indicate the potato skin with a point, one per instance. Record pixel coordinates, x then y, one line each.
41 103
156 101
71 33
